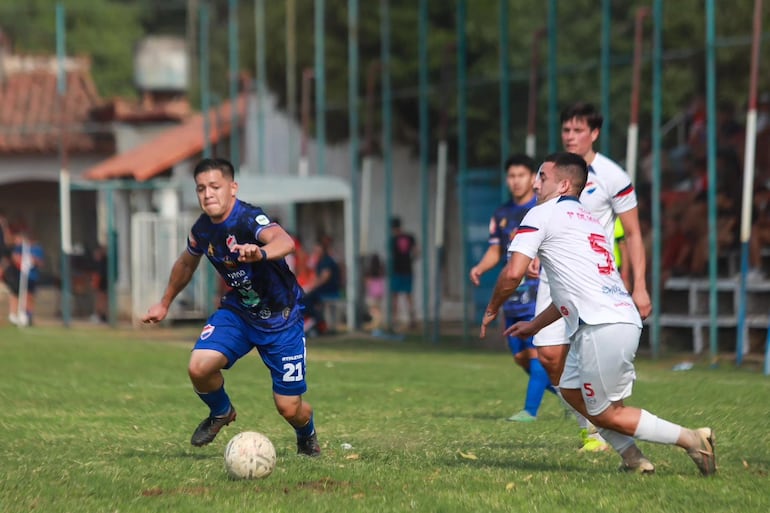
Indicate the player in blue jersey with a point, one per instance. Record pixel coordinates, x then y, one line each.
261 310
520 173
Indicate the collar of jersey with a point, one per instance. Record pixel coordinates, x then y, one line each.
568 198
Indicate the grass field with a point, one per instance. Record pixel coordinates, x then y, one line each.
95 420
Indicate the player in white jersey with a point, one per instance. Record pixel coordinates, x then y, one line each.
602 322
608 194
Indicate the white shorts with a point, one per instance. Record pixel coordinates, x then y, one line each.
554 334
600 363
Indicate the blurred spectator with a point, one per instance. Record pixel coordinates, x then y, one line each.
326 285
99 283
374 285
760 231
405 251
22 276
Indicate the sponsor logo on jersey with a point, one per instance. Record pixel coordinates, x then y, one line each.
590 187
231 242
564 311
211 250
207 331
229 264
262 220
265 313
286 312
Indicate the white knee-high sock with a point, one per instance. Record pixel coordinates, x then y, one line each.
655 429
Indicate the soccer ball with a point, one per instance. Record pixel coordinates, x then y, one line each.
249 455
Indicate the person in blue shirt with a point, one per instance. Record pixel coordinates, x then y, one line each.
262 308
22 276
520 174
326 285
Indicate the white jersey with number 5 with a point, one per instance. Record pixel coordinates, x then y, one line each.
575 253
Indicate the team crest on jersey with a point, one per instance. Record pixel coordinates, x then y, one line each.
262 220
211 250
231 242
207 331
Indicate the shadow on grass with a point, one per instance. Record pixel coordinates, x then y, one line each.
178 454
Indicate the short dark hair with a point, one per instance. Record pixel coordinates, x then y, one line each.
395 222
223 165
586 111
520 159
574 166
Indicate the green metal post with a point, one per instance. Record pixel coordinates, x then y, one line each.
505 104
320 87
424 144
355 174
553 85
203 71
387 147
711 149
462 151
605 143
64 187
657 103
232 31
259 13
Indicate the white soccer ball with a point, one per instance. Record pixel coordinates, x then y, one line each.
249 455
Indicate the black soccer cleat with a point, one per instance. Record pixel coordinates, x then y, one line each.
208 428
309 446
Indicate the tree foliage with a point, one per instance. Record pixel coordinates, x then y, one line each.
108 29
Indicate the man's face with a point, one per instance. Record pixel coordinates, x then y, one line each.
520 181
547 185
216 194
577 137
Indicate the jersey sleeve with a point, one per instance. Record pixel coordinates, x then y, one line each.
195 241
621 190
494 231
261 221
530 234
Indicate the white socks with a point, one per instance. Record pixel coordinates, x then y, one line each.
655 429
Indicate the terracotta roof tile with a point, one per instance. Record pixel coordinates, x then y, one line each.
168 148
30 121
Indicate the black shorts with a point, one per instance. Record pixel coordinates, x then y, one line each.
12 278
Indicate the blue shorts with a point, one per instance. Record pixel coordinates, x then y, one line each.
516 344
283 352
401 283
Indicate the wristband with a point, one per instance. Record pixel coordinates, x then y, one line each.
264 253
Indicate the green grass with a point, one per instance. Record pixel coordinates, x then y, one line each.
97 421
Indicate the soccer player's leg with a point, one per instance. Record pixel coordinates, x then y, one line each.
607 374
284 354
221 343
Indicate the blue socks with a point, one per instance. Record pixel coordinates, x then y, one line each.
538 384
305 431
217 401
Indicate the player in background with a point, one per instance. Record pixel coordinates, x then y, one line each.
608 194
520 172
601 320
261 309
620 252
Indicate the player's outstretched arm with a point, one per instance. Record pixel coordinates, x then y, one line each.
276 244
181 274
525 329
488 261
